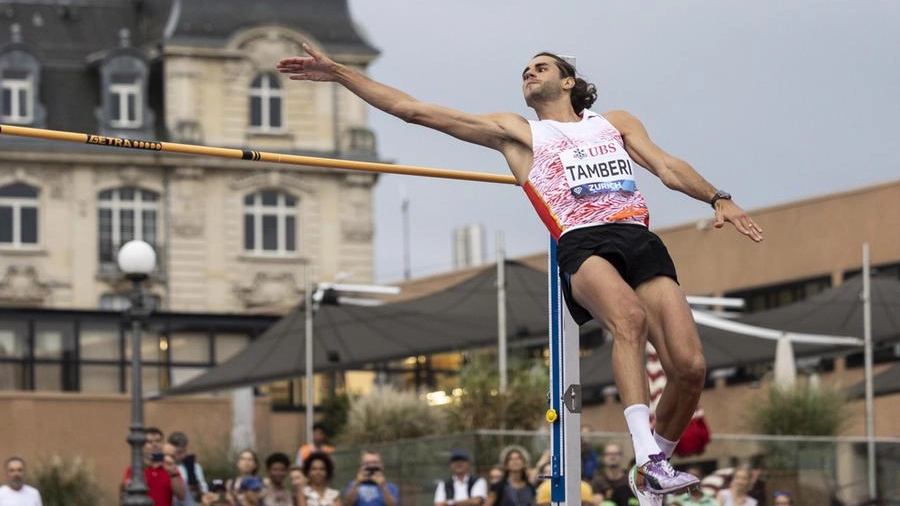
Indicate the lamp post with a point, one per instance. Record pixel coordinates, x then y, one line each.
137 260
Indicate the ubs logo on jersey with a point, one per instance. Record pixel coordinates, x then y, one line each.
579 154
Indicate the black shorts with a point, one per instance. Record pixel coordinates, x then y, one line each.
637 253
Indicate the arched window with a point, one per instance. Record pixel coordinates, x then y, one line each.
126 213
270 223
266 103
18 215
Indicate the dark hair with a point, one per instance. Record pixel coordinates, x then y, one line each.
153 430
584 94
322 427
325 458
178 439
276 458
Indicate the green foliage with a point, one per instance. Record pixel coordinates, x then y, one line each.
66 482
482 406
801 411
335 410
390 415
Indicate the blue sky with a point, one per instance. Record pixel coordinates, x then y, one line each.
773 101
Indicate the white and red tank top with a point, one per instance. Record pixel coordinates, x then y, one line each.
582 175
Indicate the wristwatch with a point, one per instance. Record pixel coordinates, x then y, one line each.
719 195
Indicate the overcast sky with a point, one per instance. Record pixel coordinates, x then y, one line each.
772 100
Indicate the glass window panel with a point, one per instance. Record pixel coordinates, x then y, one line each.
255 111
272 82
290 228
257 81
289 200
270 198
53 340
6 224
227 345
150 379
19 190
106 195
29 228
275 112
23 103
100 379
132 107
149 196
99 341
248 199
126 193
270 232
126 225
248 231
148 226
13 339
153 346
7 102
48 377
189 347
115 107
12 376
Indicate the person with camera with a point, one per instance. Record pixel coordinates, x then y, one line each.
191 471
371 488
164 483
217 494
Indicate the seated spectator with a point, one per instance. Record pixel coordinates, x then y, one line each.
16 492
250 492
513 489
783 498
736 493
247 467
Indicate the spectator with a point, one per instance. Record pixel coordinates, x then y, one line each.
462 488
589 460
513 489
275 493
319 443
217 495
319 470
610 483
190 470
250 492
495 474
164 483
543 490
736 493
16 492
757 487
370 487
783 498
298 481
247 467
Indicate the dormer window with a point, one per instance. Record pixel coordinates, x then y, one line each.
125 99
18 97
266 102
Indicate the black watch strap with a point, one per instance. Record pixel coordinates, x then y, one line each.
719 195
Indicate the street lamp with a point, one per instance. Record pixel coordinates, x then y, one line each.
137 260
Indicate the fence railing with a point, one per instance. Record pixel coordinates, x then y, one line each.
816 470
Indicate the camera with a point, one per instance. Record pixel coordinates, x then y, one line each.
217 485
157 457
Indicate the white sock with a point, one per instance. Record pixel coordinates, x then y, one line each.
665 445
637 416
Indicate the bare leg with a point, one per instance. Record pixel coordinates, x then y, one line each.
598 287
674 335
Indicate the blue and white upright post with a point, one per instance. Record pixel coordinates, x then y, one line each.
564 413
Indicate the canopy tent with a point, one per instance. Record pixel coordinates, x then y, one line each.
464 316
886 382
459 317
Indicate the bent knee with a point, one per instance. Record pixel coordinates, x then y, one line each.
691 372
630 324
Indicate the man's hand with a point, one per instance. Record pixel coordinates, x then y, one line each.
315 67
728 211
378 478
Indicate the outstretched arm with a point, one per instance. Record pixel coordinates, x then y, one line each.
496 130
678 174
